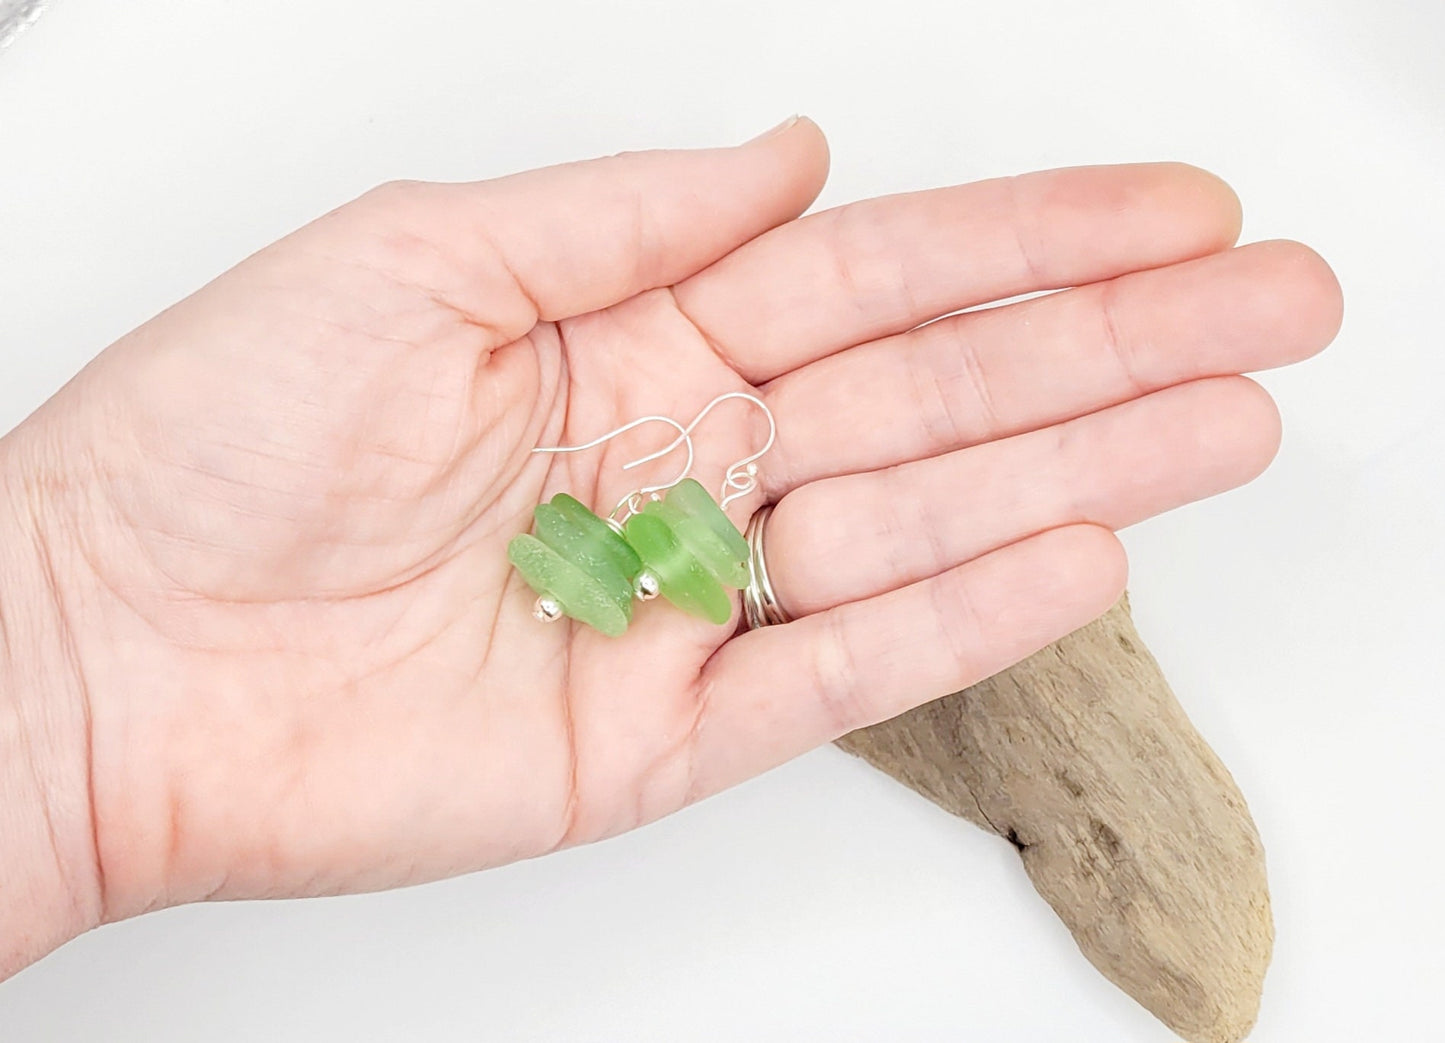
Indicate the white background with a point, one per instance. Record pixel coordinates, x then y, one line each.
145 146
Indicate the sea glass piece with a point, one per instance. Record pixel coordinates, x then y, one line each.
586 550
612 543
681 577
705 544
693 500
581 596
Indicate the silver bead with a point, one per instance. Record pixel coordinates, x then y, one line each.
646 586
546 610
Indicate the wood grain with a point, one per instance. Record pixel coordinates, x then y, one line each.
1126 821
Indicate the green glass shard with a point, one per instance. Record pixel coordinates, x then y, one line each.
610 541
681 577
581 597
583 549
706 545
692 499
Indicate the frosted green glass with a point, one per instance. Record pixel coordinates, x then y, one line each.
693 500
581 596
611 541
587 550
710 549
681 577
588 568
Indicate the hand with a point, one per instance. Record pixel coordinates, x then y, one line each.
274 519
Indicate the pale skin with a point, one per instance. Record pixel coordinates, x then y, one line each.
260 637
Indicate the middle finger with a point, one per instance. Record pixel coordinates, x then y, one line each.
990 374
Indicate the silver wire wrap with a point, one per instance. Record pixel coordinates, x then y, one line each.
633 501
742 475
761 607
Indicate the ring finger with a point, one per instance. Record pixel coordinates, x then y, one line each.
854 536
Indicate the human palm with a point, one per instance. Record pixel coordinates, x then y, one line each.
279 511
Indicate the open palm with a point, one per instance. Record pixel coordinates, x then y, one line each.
279 512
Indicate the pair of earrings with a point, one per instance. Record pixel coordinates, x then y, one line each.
672 540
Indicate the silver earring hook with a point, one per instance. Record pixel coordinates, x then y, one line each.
742 476
632 501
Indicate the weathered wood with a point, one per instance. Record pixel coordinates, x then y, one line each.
1127 823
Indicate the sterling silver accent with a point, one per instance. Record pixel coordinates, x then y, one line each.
761 607
646 586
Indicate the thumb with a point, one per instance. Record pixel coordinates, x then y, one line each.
560 241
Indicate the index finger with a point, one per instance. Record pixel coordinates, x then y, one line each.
837 278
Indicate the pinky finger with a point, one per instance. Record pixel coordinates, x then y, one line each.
774 693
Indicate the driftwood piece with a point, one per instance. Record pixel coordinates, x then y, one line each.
1127 823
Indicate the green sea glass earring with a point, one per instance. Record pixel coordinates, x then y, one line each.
672 539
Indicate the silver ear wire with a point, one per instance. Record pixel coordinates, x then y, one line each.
742 476
633 500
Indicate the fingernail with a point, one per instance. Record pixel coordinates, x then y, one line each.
780 128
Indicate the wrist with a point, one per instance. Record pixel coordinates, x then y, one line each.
50 883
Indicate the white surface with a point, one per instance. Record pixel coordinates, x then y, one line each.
16 16
145 146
